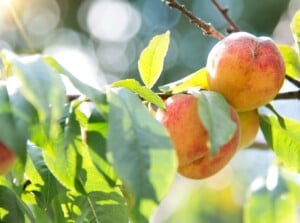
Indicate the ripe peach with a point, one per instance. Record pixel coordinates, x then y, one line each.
247 70
7 159
249 121
190 138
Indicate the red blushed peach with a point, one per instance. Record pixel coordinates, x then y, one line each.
190 138
247 70
7 159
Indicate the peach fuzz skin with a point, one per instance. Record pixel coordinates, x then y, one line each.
190 138
7 159
249 122
247 70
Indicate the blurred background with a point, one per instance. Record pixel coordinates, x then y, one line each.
100 42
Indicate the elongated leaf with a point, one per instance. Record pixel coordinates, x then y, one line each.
295 25
69 161
197 79
151 60
142 91
97 206
283 135
292 61
11 136
214 112
142 152
43 183
12 209
93 94
41 86
95 136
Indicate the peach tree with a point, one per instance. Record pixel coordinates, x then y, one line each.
105 156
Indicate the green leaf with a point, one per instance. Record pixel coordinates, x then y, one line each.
214 112
11 136
43 183
271 203
197 79
295 26
142 91
41 215
9 209
92 93
68 158
283 135
291 60
12 209
41 86
43 89
151 60
142 152
97 206
95 130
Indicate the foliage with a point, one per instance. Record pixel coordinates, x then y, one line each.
102 156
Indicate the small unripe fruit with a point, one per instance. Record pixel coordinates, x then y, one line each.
247 70
190 138
7 159
249 121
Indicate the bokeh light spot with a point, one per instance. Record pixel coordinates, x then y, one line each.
113 58
113 20
41 18
79 62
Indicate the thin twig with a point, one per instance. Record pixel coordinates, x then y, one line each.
72 97
288 95
224 12
207 28
293 81
259 145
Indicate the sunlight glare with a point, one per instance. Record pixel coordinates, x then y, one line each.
5 6
79 62
113 20
6 2
272 178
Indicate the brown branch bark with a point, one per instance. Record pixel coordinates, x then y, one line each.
293 81
207 28
288 95
259 145
224 12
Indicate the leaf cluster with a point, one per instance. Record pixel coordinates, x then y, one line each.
102 156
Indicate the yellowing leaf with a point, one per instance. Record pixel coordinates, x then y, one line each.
197 79
142 91
291 60
295 26
283 135
151 60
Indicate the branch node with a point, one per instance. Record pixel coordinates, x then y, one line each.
207 28
232 27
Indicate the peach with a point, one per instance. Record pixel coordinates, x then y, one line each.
247 70
249 122
190 138
7 159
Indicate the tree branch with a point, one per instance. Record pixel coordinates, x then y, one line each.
207 28
293 81
259 145
288 95
224 12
